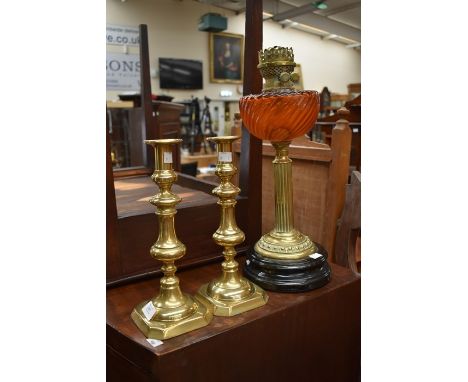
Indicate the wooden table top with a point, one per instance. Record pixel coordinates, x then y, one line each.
133 194
121 301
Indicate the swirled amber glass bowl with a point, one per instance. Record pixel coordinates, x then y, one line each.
280 116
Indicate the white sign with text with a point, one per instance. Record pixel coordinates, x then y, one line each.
225 156
167 157
122 35
122 71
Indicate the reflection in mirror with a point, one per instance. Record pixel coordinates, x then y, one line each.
127 133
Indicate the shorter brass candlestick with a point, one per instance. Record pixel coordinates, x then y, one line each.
229 294
172 312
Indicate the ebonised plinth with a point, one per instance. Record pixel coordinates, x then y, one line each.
288 275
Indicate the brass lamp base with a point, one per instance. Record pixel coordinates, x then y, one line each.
289 245
193 315
228 301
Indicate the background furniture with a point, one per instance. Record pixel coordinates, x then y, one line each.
348 235
127 132
189 168
203 160
167 125
322 131
127 129
325 102
196 124
190 121
354 90
331 102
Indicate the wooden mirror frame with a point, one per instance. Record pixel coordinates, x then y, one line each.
149 110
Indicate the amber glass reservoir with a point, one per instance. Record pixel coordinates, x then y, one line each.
280 115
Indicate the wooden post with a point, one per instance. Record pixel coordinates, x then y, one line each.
112 238
250 175
145 93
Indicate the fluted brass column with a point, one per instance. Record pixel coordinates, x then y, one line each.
282 171
171 312
229 294
284 241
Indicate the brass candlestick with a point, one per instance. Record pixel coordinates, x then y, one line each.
229 294
172 312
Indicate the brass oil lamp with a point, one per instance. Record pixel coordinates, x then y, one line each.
230 294
283 259
171 312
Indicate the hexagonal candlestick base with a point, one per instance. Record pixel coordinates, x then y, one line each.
161 330
231 306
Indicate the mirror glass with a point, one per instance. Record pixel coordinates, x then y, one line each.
127 133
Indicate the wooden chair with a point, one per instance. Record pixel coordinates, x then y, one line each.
348 236
323 128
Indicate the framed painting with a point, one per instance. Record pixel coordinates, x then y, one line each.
226 58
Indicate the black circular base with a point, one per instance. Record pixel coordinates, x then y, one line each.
288 275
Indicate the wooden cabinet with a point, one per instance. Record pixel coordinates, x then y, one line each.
167 126
311 336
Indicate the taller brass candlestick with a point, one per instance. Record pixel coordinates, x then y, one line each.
229 294
283 259
171 312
